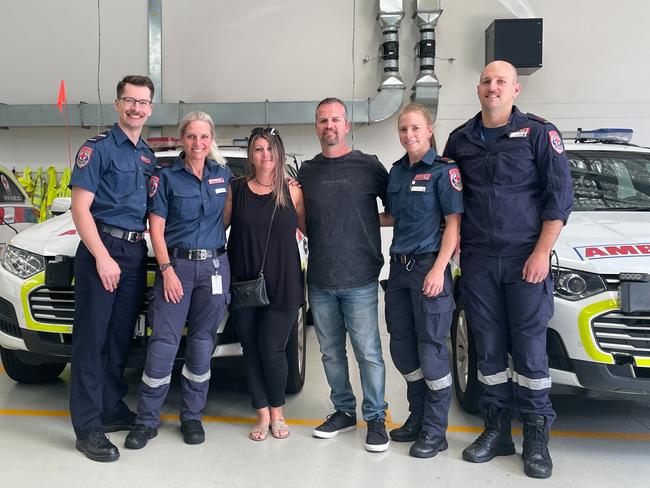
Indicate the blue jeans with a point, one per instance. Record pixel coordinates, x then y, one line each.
353 311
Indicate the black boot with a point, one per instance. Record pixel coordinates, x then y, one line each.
496 439
428 445
537 459
409 431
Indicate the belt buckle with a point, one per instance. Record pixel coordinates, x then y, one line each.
132 236
200 254
403 259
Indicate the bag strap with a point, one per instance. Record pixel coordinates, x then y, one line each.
268 237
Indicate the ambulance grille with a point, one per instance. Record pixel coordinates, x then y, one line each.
620 333
56 307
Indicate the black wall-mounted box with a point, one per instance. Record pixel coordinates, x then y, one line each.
518 41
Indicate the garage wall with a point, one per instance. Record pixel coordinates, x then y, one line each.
594 73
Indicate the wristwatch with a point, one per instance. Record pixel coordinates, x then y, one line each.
164 266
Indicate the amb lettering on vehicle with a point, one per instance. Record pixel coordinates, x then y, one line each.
612 251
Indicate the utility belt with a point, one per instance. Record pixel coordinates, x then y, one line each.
195 254
127 235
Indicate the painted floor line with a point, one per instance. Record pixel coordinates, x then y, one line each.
625 436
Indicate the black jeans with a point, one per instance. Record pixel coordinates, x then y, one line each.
264 333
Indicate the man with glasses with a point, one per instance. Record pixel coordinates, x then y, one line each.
109 201
340 188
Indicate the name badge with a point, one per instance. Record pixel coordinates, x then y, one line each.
217 285
219 190
519 134
418 188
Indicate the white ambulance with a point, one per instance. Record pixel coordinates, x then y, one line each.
37 298
598 340
16 211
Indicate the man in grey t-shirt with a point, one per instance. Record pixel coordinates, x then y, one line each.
341 187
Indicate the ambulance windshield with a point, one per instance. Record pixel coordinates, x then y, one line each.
610 180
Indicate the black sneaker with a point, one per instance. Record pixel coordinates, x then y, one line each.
193 432
97 447
376 438
335 424
139 436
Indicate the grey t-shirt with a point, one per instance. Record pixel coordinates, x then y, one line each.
342 219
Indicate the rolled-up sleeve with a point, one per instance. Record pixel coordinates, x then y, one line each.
555 175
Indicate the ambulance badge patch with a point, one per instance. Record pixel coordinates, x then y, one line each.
145 160
153 186
556 141
454 178
214 181
84 156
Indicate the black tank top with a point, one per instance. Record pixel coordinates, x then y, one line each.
251 216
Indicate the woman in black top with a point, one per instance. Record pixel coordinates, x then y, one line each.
264 331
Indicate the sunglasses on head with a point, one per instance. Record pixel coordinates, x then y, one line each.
272 131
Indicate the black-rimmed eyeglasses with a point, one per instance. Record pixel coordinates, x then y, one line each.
143 102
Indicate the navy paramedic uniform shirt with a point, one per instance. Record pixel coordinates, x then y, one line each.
418 197
192 208
512 186
117 172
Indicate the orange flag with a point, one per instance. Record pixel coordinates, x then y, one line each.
61 100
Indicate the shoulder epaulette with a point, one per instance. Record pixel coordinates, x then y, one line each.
536 118
445 160
98 137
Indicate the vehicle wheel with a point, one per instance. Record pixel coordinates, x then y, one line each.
296 357
22 372
466 384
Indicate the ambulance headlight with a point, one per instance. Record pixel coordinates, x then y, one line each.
22 263
576 285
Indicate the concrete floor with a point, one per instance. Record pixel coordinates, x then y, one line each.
595 443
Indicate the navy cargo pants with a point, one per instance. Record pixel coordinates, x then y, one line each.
502 309
418 326
203 312
102 333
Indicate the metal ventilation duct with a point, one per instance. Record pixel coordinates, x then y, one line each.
387 102
427 87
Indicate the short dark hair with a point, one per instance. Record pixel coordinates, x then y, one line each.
137 80
328 100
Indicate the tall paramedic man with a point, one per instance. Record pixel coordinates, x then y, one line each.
109 201
517 197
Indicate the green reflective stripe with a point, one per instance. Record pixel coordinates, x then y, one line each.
586 334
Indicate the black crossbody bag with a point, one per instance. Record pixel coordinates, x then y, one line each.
252 293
